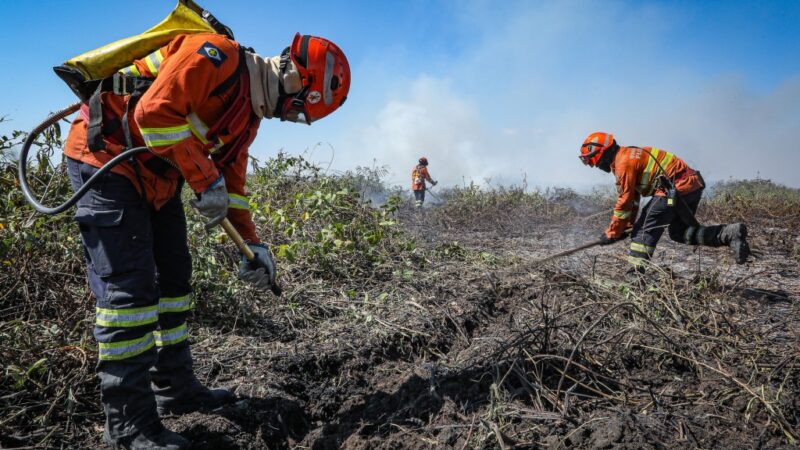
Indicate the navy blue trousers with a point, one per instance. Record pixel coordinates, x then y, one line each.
139 269
658 215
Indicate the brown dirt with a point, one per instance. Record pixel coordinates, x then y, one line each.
485 349
478 346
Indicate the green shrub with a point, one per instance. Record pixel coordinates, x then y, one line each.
745 200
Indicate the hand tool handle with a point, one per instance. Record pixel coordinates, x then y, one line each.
625 234
245 249
237 239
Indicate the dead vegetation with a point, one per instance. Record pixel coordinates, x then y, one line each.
433 329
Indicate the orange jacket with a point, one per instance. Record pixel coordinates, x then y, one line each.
172 119
637 171
418 177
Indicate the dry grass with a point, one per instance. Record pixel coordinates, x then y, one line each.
406 329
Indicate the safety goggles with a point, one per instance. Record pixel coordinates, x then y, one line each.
594 149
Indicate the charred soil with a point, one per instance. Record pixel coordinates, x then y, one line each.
461 340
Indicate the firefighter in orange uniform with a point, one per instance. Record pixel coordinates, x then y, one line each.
196 103
676 189
419 175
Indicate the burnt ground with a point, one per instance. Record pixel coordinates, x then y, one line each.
480 347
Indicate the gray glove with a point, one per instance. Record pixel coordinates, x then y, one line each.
213 203
260 271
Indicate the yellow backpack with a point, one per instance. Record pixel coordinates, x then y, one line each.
84 72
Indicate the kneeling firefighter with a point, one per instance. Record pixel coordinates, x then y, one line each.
196 104
676 189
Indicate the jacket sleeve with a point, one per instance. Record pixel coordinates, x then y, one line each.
184 81
627 202
239 209
427 175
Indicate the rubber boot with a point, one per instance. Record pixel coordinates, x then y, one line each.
132 420
177 390
155 439
735 236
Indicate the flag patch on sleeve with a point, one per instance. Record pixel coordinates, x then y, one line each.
213 53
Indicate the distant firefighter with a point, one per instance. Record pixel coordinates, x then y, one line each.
676 189
418 178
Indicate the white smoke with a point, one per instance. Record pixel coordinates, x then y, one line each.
537 77
434 122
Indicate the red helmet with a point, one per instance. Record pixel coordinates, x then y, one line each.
325 74
595 146
423 161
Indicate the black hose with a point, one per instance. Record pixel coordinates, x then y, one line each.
23 169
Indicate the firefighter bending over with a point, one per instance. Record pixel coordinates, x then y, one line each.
196 104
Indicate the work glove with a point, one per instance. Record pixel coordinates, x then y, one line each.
434 183
213 203
605 240
261 270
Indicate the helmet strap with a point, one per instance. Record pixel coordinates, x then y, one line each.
284 63
285 58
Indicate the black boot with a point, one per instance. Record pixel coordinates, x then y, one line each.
158 438
735 236
132 421
177 390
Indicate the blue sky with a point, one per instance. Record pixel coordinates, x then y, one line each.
490 91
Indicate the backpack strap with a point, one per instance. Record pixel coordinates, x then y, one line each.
231 80
238 111
119 84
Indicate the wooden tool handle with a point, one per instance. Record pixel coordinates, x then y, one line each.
237 239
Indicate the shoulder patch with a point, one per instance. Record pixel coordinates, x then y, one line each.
213 53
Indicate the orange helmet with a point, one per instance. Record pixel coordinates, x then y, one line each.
595 146
423 161
325 74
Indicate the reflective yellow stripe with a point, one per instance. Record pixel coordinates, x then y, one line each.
645 184
114 351
198 128
238 202
687 235
172 336
667 160
153 61
641 248
217 146
160 137
654 168
622 214
636 261
126 317
701 235
175 304
130 70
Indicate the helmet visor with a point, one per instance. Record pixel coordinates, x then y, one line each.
591 150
